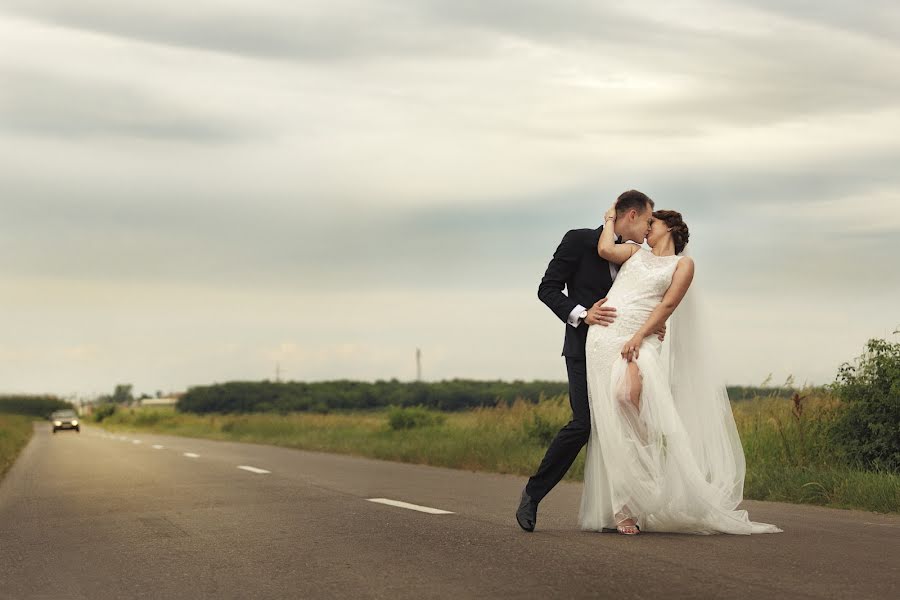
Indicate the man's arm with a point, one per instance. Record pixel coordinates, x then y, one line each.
561 268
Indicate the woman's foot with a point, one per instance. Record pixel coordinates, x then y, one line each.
628 527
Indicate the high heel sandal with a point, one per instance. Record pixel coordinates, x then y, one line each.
628 529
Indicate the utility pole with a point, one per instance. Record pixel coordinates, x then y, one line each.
278 372
418 364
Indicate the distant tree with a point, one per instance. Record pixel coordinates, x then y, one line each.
122 394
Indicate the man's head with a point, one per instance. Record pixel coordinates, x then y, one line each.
634 211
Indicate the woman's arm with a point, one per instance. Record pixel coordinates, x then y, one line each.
607 247
681 281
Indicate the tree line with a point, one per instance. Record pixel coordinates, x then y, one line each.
269 396
34 405
450 395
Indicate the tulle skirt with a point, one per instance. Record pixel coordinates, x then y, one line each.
639 459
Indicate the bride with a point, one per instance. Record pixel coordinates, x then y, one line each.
664 453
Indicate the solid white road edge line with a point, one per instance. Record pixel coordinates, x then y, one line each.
253 469
398 503
191 455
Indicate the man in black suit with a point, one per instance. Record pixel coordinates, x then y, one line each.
577 266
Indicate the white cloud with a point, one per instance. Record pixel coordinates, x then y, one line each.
190 194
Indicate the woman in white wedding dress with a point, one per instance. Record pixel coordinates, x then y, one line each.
664 453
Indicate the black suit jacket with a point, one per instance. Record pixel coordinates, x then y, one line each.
577 267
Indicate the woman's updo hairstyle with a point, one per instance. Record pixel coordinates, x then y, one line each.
673 221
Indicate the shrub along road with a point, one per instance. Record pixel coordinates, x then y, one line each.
15 431
99 515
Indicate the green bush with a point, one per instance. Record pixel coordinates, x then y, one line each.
540 429
15 431
148 418
413 416
868 430
104 411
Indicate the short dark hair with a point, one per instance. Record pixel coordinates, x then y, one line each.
633 199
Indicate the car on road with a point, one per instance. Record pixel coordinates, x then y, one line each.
65 419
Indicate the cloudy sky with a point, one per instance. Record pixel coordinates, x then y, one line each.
195 192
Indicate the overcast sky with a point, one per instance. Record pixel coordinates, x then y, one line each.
194 192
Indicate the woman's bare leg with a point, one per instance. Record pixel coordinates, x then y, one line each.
635 385
633 397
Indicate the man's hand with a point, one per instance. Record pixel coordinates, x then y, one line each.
661 332
599 314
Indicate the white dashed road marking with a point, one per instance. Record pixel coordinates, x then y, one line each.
135 441
191 455
253 469
424 509
158 447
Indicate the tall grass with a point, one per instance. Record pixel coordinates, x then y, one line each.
15 431
785 440
791 456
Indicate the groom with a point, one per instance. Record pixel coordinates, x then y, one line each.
577 266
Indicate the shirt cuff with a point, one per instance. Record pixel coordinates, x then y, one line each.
574 316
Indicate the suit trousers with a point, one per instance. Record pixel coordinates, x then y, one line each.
564 448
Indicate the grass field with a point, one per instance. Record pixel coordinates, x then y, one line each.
15 431
788 455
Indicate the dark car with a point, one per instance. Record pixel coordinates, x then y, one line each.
65 419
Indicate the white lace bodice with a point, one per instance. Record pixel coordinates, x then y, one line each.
638 289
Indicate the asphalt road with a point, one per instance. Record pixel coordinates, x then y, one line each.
95 516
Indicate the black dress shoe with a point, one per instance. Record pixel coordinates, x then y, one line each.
526 515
